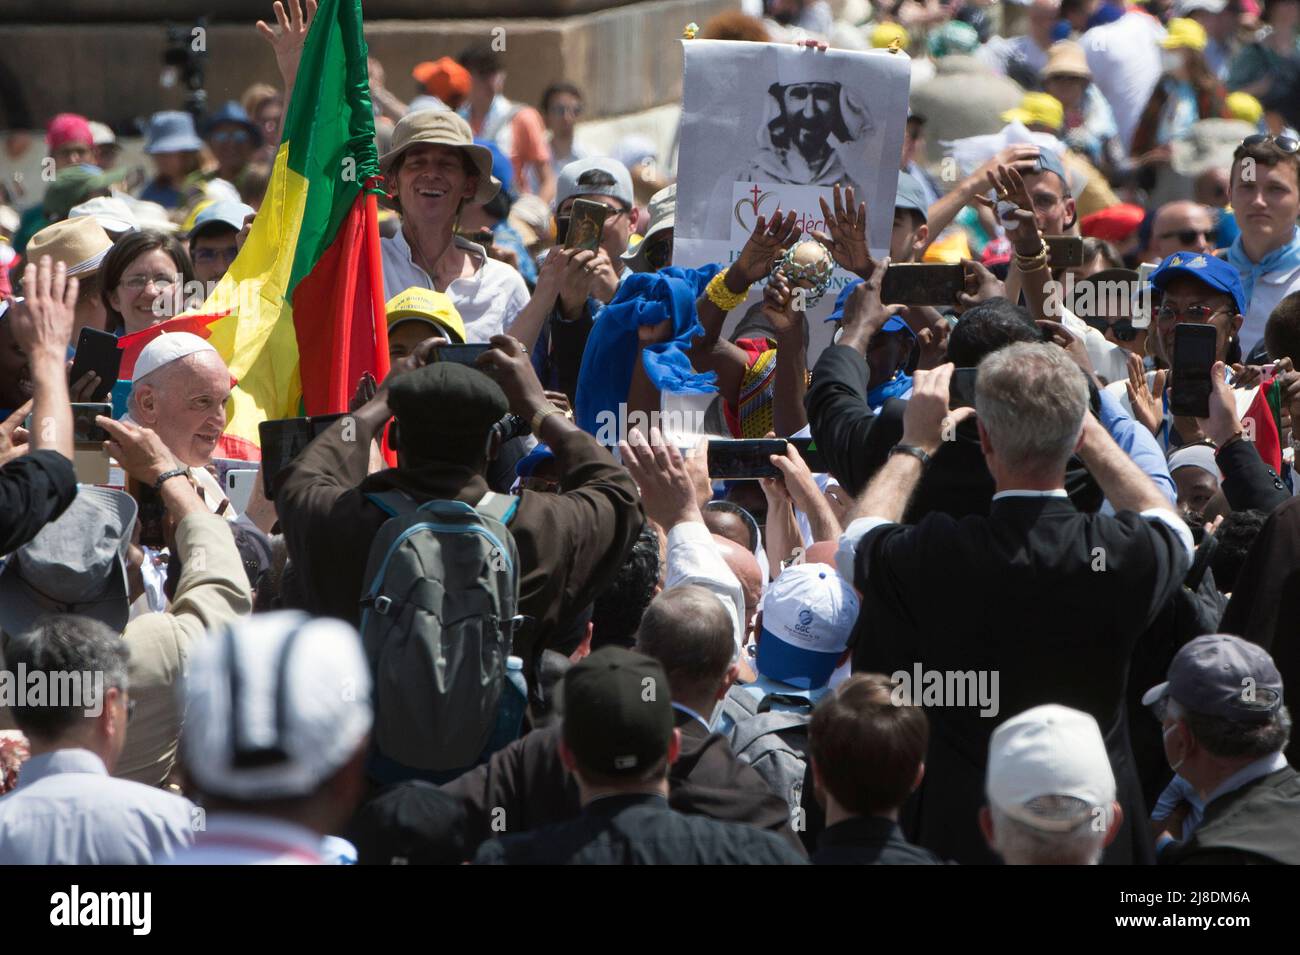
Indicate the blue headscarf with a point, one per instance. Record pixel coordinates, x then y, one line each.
645 298
1281 259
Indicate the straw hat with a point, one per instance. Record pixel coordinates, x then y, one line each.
442 127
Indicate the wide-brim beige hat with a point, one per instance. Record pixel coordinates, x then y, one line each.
441 127
79 243
1066 58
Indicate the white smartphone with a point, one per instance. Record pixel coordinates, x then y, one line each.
239 487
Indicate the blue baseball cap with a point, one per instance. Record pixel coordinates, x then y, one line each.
527 465
892 324
1208 269
808 615
502 168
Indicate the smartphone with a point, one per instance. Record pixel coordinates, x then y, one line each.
85 432
811 456
586 224
238 484
460 354
152 514
283 439
925 283
97 351
1193 360
744 458
961 388
1064 251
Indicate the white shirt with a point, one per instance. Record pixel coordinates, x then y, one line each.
1270 288
1124 57
237 839
694 558
1109 360
488 300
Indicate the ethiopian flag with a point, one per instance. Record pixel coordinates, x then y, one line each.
301 310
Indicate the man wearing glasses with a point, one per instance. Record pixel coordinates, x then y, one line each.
1265 192
214 240
1180 226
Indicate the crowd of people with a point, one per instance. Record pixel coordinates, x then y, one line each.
1022 607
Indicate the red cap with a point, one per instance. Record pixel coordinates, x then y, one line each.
445 79
1114 224
997 251
68 128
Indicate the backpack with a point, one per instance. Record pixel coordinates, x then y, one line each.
438 616
775 743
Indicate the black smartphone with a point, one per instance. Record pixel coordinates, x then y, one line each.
744 457
922 283
84 429
1064 251
151 514
586 224
811 456
97 351
1193 360
283 439
961 388
460 354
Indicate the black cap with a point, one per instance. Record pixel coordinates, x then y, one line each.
445 406
618 712
412 823
1223 676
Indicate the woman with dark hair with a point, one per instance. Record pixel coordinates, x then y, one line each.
145 278
1188 91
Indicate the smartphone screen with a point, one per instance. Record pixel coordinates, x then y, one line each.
151 513
460 354
84 428
97 351
922 284
586 224
1189 392
744 458
961 388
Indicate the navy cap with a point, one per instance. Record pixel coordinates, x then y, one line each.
910 195
892 324
1223 676
232 112
1049 161
1213 271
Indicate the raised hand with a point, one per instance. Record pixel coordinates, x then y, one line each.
846 233
288 37
1148 403
768 240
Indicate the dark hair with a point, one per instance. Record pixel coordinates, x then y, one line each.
713 514
1240 739
1264 153
68 649
1093 247
1282 331
734 25
990 325
617 610
129 248
558 89
689 633
1233 539
480 58
867 748
390 177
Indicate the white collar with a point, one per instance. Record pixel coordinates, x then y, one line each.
1055 492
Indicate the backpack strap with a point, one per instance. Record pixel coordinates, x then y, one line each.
499 507
785 699
393 503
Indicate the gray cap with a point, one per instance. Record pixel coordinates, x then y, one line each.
76 564
1224 676
910 195
600 176
1049 161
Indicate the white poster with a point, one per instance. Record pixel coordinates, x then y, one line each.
767 125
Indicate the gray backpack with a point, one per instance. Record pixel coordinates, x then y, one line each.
774 742
438 615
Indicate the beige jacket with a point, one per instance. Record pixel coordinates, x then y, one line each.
213 591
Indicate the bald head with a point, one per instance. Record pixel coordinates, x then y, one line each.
689 632
745 566
1181 226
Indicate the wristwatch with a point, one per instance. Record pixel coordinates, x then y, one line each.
911 449
168 475
541 414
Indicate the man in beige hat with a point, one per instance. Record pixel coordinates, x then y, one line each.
81 243
1089 123
433 170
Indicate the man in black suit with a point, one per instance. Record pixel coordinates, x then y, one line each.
618 739
1043 599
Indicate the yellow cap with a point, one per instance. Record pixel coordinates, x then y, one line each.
1037 109
886 34
426 305
949 248
1184 34
1245 107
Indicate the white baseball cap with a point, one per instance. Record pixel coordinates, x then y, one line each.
1049 750
275 705
808 614
165 349
1184 7
112 214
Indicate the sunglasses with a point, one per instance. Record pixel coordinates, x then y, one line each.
1284 143
1188 237
1122 328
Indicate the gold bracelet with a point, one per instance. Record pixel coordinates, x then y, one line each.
540 415
722 296
1032 263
